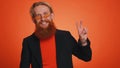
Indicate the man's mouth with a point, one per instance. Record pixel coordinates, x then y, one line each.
44 24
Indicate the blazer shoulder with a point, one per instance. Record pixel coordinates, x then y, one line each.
32 36
62 31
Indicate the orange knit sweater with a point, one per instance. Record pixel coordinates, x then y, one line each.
48 52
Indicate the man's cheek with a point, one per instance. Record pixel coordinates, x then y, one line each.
38 21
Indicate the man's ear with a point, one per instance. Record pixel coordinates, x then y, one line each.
34 21
52 15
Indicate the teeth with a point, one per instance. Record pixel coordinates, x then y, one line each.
43 23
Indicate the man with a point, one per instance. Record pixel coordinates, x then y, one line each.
49 47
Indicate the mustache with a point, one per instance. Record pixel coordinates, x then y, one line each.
47 21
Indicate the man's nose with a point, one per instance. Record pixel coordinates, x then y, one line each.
42 18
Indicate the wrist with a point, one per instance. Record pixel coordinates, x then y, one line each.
84 42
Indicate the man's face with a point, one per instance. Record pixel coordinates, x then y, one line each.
42 16
45 27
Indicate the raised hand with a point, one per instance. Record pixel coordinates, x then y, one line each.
82 31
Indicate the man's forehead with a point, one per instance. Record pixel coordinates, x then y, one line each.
41 8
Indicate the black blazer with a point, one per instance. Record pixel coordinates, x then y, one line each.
66 45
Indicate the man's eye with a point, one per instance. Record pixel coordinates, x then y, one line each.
37 17
46 15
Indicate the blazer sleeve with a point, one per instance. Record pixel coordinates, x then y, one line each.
81 52
25 55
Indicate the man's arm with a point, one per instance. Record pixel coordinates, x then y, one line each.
80 51
25 55
83 52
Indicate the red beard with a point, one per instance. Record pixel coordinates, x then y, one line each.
45 33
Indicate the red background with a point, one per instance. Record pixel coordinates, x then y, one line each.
101 17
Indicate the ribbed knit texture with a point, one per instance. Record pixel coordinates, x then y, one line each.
48 52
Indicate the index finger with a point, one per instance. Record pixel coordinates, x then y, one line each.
80 24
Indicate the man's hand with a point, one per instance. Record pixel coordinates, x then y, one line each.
82 31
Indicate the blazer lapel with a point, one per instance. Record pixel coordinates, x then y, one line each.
59 46
35 47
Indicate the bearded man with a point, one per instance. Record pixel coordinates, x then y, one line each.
49 47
